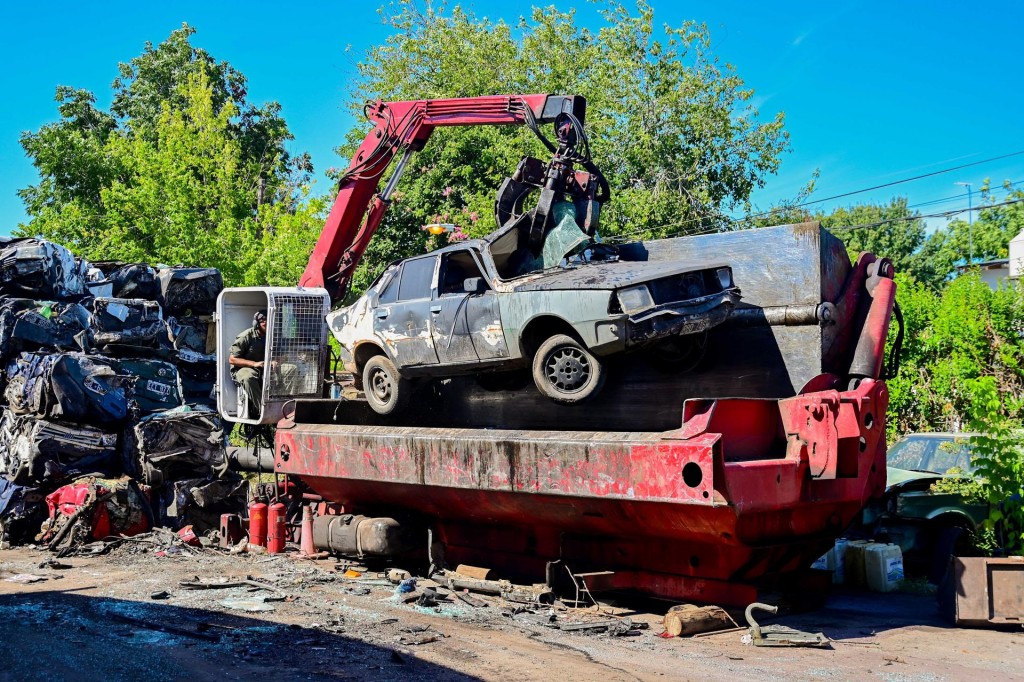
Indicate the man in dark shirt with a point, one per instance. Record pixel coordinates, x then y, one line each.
246 359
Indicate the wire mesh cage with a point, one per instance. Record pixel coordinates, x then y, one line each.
295 358
296 346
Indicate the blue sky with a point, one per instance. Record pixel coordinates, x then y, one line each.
873 91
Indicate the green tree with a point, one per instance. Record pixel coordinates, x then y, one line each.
988 237
181 170
999 461
672 128
882 230
956 341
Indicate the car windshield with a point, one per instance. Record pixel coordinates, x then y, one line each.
936 454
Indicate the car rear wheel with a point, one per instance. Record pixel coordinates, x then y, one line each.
386 391
565 371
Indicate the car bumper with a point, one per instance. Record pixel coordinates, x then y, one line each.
679 319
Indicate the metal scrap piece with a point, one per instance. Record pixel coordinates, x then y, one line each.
780 635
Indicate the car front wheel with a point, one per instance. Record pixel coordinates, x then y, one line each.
565 371
385 389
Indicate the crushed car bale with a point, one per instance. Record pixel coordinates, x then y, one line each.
106 388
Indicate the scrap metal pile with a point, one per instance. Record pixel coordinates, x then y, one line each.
106 390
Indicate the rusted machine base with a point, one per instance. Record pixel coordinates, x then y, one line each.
745 490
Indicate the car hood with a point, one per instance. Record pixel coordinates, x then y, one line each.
613 275
896 477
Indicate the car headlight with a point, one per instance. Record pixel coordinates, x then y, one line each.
724 277
635 299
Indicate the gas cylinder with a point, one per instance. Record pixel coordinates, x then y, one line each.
258 523
277 528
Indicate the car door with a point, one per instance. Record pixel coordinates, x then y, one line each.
484 321
403 325
472 324
449 322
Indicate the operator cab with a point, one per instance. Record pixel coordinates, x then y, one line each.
294 363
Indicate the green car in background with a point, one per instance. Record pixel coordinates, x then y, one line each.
929 526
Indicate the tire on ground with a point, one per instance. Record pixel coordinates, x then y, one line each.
385 389
565 371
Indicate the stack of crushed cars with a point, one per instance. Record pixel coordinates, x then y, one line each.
106 419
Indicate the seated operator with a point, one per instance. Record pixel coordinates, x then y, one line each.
246 360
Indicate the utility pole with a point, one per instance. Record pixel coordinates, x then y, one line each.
970 222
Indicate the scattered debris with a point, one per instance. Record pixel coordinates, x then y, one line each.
162 594
471 600
430 597
249 604
780 635
527 594
188 536
473 572
616 627
163 627
397 575
26 578
55 565
415 640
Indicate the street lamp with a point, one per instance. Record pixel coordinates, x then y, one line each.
970 222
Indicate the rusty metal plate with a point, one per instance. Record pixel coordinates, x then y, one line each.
989 591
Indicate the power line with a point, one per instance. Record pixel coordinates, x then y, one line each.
910 179
740 220
958 197
943 214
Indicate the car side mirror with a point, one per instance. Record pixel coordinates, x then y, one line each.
474 285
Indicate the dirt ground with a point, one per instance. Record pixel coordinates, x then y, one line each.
97 620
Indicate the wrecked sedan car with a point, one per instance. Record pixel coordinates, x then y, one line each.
928 525
481 306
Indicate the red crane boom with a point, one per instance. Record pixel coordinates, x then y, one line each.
359 207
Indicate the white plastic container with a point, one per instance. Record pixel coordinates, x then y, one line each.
839 561
853 563
883 567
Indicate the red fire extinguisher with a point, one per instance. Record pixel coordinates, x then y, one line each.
258 523
277 528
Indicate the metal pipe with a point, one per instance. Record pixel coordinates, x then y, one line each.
397 175
361 535
784 315
248 459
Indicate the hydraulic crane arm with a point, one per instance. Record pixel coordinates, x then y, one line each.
359 207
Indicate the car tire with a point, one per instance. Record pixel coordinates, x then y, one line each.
385 389
565 371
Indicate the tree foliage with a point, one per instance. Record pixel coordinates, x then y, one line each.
672 128
956 341
182 169
999 461
987 238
